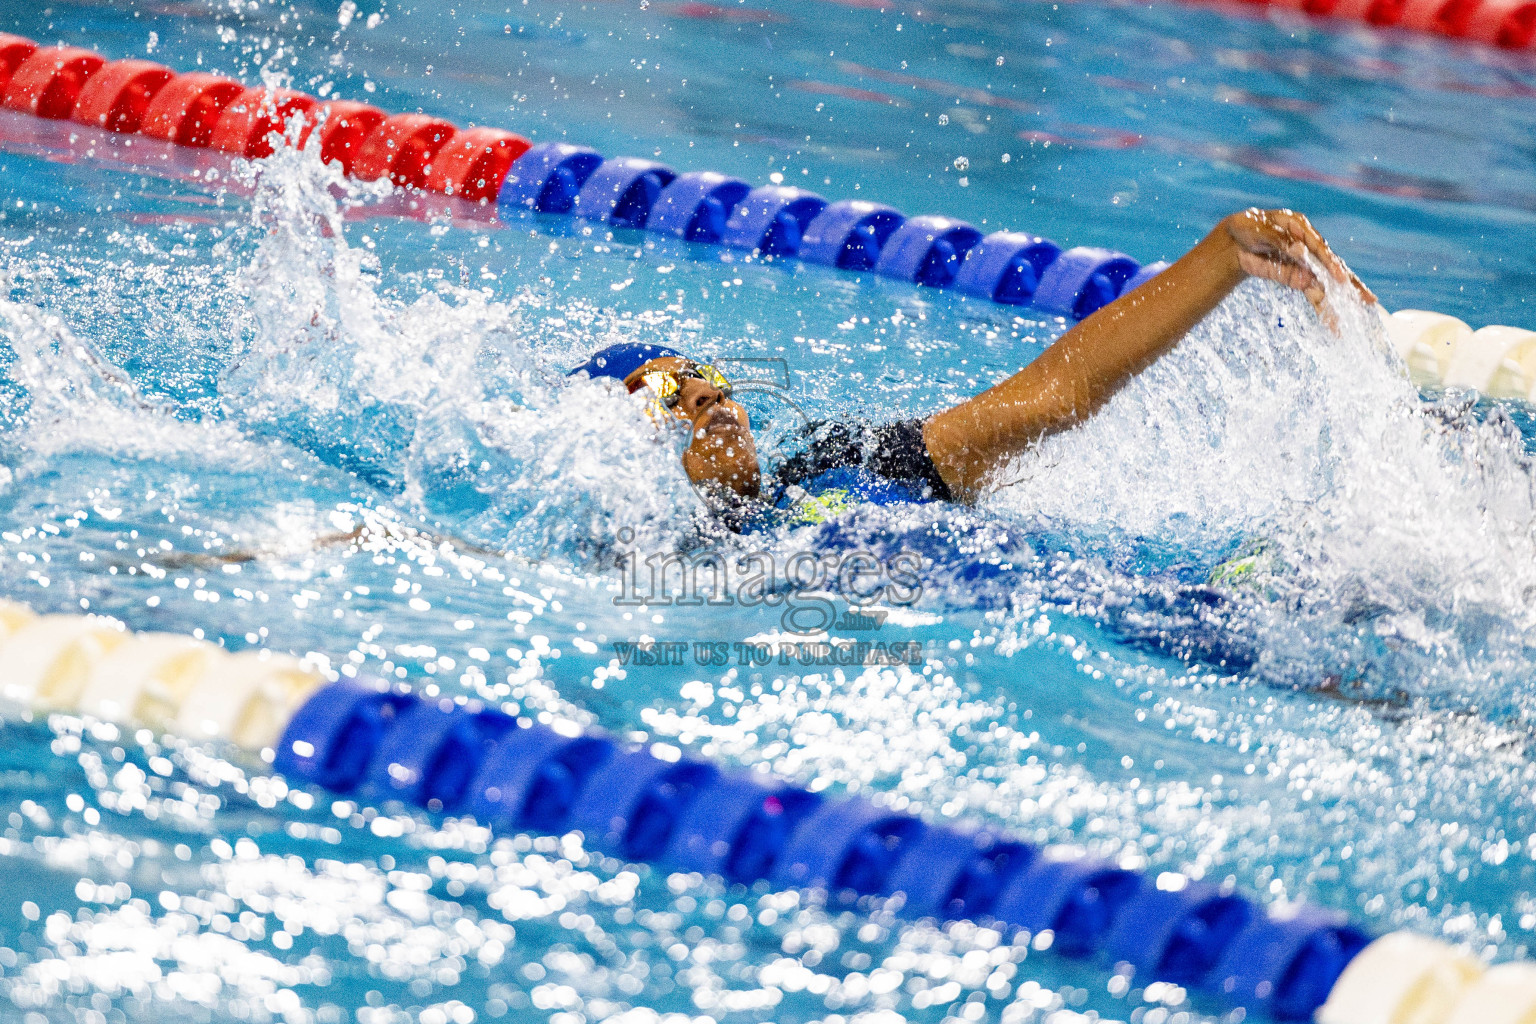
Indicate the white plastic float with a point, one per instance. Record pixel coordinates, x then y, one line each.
1401 978
46 662
1505 995
147 679
92 665
247 699
1439 349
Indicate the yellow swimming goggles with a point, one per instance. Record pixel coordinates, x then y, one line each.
666 385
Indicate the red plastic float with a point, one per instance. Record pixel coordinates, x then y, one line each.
1373 12
47 83
246 124
188 108
116 97
13 50
474 163
1318 7
402 148
1385 13
346 127
1510 24
1441 17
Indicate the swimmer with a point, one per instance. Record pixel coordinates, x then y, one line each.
955 454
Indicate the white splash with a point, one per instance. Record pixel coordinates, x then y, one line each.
1388 529
70 398
459 400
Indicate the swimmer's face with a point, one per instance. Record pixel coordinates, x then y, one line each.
721 451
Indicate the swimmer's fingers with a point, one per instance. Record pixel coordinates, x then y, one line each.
1299 227
1291 271
1283 246
1302 234
1272 232
1366 295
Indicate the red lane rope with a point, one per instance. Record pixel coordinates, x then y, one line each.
1508 24
201 111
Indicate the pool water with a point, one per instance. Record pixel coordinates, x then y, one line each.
269 411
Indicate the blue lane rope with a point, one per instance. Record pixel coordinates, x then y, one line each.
1007 267
690 815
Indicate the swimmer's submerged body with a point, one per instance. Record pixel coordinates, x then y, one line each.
956 454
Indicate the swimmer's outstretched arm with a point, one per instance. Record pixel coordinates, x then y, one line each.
1086 366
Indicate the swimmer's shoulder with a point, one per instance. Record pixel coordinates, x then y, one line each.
872 463
841 467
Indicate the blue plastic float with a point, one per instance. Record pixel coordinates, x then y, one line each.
696 206
622 192
772 220
849 235
927 251
686 814
548 178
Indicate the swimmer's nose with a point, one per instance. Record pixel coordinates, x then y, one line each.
701 400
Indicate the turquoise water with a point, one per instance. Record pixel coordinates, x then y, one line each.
206 388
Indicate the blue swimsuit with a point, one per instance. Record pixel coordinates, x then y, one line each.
848 465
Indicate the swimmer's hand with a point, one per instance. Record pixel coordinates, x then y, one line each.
1283 246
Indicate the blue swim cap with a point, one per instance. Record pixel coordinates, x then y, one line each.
619 361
